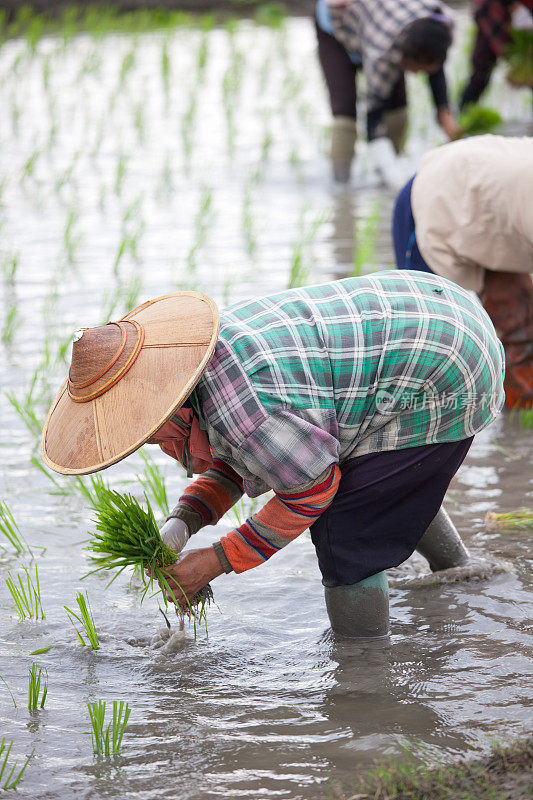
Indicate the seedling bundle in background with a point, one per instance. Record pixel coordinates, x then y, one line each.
127 535
476 120
521 520
519 57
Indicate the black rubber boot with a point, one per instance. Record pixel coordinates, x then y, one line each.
360 610
441 545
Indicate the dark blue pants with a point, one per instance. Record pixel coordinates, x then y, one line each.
408 255
383 506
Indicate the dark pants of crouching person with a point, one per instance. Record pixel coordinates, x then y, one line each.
384 505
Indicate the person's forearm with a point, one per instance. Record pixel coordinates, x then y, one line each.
483 60
279 522
208 498
439 89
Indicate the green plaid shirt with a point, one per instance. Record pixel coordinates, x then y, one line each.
310 377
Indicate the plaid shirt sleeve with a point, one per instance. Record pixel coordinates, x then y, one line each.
286 451
278 523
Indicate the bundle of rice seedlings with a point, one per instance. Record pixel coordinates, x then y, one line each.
521 520
519 57
475 120
127 536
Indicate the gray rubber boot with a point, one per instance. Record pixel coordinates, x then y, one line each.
396 126
360 610
343 135
442 545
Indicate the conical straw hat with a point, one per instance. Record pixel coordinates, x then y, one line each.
126 379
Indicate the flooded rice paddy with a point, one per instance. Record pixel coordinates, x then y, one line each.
134 165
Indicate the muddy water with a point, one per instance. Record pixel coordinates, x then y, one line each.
119 181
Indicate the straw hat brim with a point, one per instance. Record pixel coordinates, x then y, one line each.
181 331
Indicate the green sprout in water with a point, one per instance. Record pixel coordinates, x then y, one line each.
86 620
9 690
365 237
26 595
154 483
35 697
525 416
12 322
10 529
9 780
108 741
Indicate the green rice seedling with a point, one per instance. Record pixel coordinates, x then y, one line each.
71 240
271 15
38 393
202 222
127 65
26 594
525 416
521 520
108 741
15 115
138 120
9 690
86 620
519 57
26 412
91 492
127 536
34 32
365 236
165 65
9 267
475 120
120 174
34 687
12 322
299 269
154 483
187 124
41 650
29 166
9 780
248 220
10 530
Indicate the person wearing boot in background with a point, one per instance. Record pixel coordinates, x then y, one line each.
384 38
355 402
467 215
494 20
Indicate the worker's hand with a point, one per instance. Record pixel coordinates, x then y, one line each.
175 534
449 125
192 572
383 159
